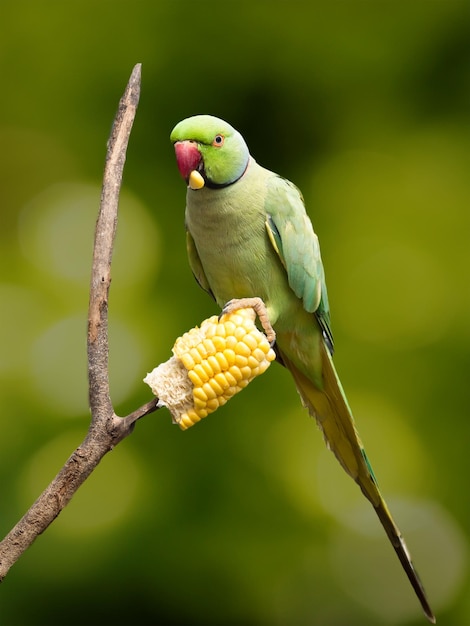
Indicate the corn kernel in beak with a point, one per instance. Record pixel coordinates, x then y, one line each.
196 181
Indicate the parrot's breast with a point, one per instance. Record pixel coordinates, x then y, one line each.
229 232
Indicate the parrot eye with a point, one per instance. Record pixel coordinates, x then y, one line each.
218 141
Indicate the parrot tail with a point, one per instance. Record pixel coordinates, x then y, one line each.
330 408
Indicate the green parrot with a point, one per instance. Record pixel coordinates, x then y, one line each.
251 243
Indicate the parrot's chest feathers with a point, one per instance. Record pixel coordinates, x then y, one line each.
228 228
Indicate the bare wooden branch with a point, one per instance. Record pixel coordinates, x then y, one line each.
98 378
106 428
128 422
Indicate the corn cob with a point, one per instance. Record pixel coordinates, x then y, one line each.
210 365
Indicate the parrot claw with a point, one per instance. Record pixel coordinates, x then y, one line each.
260 309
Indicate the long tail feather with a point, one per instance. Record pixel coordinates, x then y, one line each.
334 417
401 549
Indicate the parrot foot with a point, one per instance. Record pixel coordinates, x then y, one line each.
260 309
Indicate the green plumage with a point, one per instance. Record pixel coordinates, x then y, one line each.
249 235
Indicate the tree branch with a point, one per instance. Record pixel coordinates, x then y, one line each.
106 428
103 249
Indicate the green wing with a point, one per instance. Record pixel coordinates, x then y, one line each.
196 265
293 238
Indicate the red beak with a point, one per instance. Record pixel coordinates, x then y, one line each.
188 157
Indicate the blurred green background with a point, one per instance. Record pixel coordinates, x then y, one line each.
246 519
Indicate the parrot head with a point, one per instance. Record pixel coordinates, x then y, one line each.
209 152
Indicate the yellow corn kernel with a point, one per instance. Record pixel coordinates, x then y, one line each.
240 360
235 371
214 363
219 343
246 372
228 329
250 341
216 387
239 332
213 405
195 379
189 419
231 342
230 379
200 394
196 181
195 354
231 391
199 404
220 331
188 361
207 369
230 355
264 347
201 348
263 367
209 390
222 361
209 346
259 352
252 362
222 380
201 371
242 349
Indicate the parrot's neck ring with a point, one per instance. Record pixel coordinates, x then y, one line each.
212 185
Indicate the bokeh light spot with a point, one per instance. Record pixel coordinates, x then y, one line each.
105 499
21 313
57 228
59 365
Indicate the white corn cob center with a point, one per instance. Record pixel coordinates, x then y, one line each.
210 365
